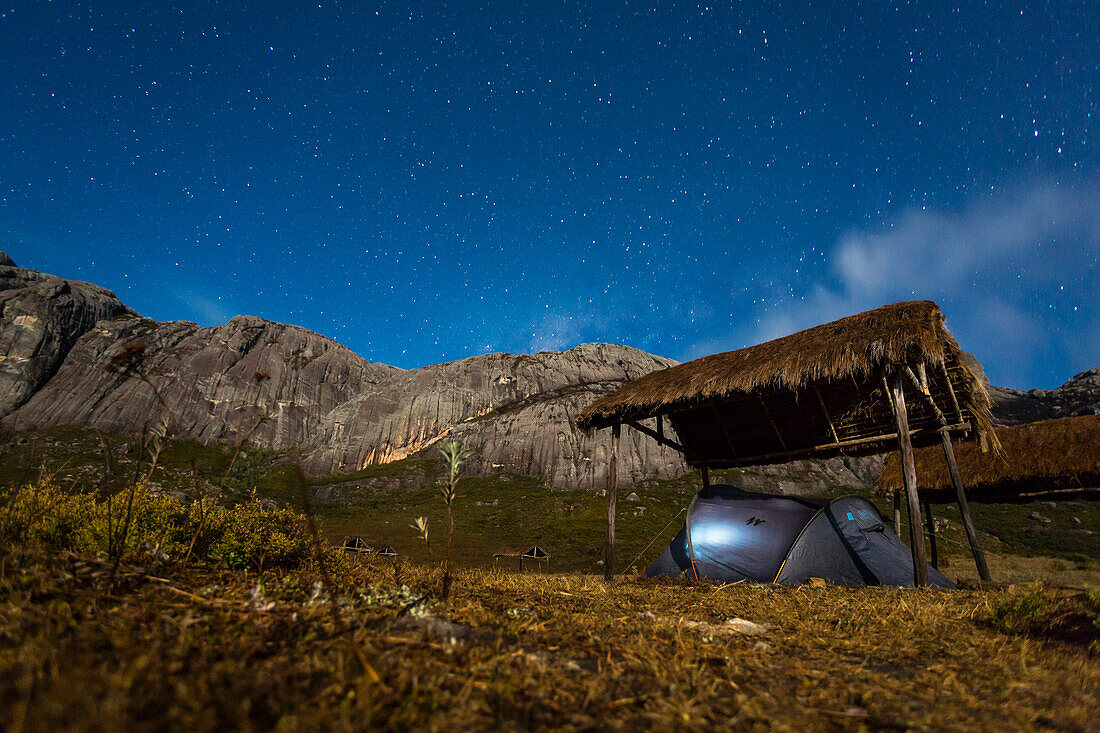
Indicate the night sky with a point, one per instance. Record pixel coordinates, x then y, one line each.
429 183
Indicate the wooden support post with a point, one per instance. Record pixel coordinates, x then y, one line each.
660 428
909 476
612 480
931 524
964 507
897 513
953 469
704 474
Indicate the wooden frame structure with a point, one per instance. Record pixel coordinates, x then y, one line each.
534 552
889 377
357 545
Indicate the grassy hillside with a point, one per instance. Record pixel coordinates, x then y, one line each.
379 503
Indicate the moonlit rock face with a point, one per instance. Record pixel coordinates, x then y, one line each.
42 319
515 412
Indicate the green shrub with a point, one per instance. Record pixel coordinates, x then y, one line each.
249 535
1036 612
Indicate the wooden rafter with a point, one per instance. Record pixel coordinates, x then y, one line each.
768 414
656 436
825 411
842 445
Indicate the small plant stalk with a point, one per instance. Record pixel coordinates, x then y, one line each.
453 458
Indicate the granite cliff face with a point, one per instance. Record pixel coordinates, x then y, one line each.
343 412
207 377
41 319
514 412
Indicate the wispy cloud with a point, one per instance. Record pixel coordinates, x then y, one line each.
204 311
998 268
560 330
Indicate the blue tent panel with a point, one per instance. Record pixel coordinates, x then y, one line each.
740 535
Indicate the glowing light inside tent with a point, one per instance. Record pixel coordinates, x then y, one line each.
713 533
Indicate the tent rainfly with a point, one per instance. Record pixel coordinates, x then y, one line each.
1040 459
734 535
856 386
523 553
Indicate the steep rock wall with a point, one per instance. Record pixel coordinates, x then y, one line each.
41 319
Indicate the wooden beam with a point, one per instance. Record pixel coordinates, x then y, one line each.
704 475
921 386
657 436
612 479
951 392
883 438
909 476
931 524
722 424
820 401
889 401
964 507
767 413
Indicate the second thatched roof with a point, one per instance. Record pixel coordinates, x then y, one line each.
1040 457
858 347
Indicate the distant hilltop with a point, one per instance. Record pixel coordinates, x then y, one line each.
306 391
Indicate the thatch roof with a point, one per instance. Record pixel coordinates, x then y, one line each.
1052 455
755 393
524 551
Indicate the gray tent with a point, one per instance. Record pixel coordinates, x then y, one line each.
733 535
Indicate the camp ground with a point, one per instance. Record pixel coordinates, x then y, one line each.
889 377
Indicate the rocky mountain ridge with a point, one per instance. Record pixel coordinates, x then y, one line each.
287 387
1078 396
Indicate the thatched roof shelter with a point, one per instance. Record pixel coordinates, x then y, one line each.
838 388
530 552
356 544
1039 458
815 393
523 552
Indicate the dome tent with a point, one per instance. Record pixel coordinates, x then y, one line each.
732 535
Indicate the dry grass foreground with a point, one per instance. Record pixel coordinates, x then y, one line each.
197 648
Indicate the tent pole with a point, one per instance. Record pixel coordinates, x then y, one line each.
612 479
909 476
931 524
897 513
704 474
964 507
